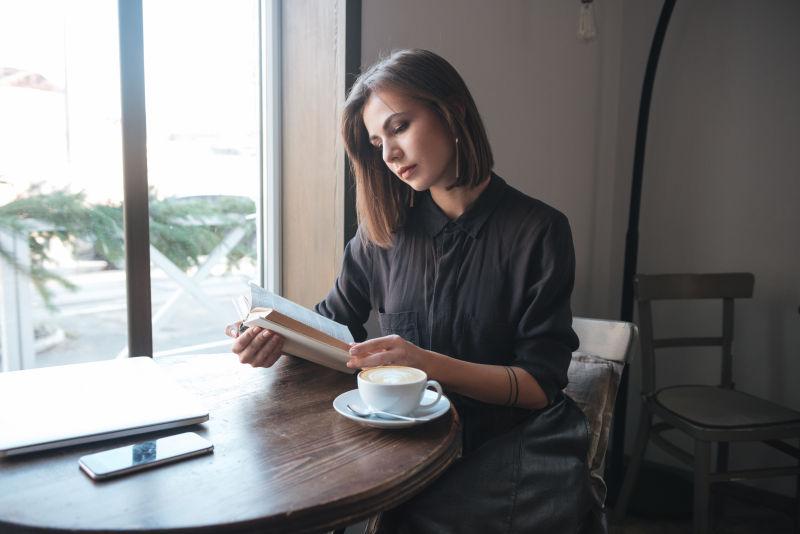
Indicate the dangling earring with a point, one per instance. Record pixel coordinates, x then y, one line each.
411 199
458 174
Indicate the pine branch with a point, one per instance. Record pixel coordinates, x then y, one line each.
185 230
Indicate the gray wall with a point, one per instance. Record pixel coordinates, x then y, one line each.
722 185
722 172
534 82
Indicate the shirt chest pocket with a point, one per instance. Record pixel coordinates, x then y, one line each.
404 324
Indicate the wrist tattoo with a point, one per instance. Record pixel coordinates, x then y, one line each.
513 387
510 387
516 386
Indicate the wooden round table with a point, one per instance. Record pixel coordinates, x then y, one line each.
284 461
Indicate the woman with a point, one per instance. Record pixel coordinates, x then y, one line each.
471 280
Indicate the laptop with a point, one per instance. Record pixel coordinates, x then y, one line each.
54 407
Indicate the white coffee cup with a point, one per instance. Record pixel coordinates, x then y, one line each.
395 388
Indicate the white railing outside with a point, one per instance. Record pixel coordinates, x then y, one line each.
17 341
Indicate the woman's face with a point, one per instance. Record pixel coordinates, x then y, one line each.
414 141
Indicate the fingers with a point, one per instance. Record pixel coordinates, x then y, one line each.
375 345
270 352
244 339
232 330
384 357
250 344
259 341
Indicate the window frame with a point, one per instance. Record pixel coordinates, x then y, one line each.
135 182
268 210
135 206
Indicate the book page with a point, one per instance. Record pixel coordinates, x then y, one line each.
261 298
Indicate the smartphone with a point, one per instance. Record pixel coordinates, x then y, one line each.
123 460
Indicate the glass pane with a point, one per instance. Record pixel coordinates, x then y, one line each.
201 74
63 283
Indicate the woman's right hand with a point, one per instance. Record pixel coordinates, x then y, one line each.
255 346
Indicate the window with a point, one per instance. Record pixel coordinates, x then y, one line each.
201 67
62 253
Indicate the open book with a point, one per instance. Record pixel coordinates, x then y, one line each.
307 334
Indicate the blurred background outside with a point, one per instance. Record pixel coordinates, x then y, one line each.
61 188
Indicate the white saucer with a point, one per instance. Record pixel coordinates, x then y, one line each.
427 413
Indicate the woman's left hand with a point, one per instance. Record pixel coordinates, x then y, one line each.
387 350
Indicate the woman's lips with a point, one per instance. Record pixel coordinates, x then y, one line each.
405 172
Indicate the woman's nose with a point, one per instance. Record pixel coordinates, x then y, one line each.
391 152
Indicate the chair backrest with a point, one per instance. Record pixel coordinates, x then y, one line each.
610 340
594 375
723 286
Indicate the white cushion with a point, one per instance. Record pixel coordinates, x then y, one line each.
593 383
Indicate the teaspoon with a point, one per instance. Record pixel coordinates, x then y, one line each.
379 413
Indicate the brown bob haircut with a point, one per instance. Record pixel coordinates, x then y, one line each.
382 199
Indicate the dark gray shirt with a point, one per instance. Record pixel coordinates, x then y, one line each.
492 286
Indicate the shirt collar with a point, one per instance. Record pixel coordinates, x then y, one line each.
472 220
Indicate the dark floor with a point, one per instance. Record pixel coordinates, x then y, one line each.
662 502
739 511
737 517
734 524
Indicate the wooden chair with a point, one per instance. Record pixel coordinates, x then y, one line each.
708 414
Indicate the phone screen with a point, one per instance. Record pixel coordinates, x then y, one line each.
145 454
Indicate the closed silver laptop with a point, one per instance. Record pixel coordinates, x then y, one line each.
70 404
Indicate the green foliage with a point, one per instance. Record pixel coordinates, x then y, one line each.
183 229
186 229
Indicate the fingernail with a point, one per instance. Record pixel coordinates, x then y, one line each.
265 333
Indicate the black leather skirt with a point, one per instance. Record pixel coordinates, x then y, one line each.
531 478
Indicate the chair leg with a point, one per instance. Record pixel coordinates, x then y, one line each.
723 454
702 489
797 504
632 473
373 523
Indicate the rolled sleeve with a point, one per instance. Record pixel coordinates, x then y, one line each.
544 339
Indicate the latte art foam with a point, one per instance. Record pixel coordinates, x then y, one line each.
393 375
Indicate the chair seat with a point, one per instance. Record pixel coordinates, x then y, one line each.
715 407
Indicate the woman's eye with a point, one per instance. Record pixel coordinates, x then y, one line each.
400 127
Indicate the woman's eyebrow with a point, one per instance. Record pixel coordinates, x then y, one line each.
386 123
